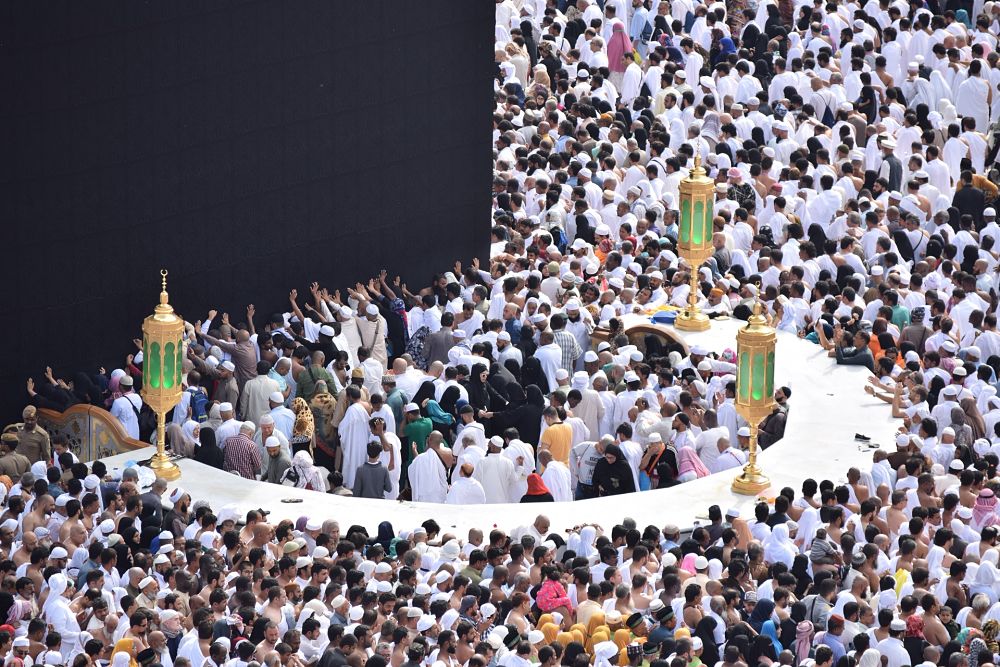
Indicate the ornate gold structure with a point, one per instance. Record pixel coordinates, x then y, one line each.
755 345
163 360
694 238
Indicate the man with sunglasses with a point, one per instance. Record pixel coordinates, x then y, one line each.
772 429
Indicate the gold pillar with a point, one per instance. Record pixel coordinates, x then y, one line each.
163 361
694 238
755 345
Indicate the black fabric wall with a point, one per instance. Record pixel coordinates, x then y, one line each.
246 146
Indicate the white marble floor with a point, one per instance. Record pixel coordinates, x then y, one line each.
828 406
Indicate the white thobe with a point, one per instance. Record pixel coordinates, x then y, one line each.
354 438
558 481
428 478
466 491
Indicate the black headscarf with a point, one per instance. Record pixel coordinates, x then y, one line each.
531 374
207 451
611 479
706 631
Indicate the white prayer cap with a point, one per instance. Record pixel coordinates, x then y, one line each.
266 419
911 355
956 465
372 309
617 283
504 336
177 494
878 270
226 407
585 173
11 524
383 568
327 330
345 311
635 356
227 366
272 442
989 212
573 305
950 346
338 602
411 407
580 380
602 230
58 553
355 614
496 441
700 350
146 582
912 66
590 356
535 636
902 440
744 432
303 561
631 376
963 512
62 500
91 482
459 334
313 524
948 431
161 559
705 365
107 526
959 371
425 623
248 426
441 577
562 374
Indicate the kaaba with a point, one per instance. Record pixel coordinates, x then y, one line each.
248 147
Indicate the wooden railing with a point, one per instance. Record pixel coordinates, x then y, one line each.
91 432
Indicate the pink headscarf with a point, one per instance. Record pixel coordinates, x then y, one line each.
983 511
688 461
688 563
618 45
803 640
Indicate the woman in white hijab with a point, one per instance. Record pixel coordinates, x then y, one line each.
986 581
677 134
303 474
870 658
583 542
940 87
58 614
604 652
778 547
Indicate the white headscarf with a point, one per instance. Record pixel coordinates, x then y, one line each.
58 583
778 547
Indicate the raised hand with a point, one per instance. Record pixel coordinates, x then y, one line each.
293 295
250 311
225 318
212 314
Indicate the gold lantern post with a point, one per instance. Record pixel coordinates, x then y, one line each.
694 238
163 360
755 345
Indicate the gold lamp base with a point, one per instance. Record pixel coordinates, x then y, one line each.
751 482
692 321
164 467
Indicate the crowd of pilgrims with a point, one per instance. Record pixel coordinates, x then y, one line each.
852 153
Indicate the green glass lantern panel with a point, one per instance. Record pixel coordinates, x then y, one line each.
698 224
153 361
169 364
770 374
180 362
757 377
709 214
684 232
743 380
